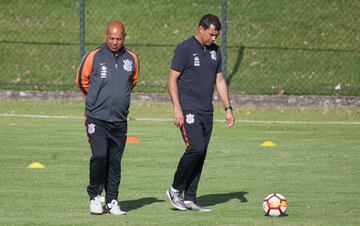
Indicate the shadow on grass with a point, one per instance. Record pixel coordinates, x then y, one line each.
129 205
214 199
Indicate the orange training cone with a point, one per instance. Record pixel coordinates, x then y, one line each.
132 140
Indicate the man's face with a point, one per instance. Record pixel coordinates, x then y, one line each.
115 38
208 36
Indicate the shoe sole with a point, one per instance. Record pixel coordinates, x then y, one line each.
122 214
177 207
200 210
96 213
107 212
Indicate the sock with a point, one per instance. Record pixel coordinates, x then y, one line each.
173 189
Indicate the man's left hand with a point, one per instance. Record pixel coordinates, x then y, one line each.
230 119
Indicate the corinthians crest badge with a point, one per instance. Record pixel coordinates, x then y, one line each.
91 128
213 55
127 65
190 118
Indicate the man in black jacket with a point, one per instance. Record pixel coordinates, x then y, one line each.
106 76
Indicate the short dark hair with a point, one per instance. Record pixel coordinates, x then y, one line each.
210 19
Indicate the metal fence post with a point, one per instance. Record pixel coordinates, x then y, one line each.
82 28
223 46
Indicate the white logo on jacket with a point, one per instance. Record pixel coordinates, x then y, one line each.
127 65
190 118
91 128
103 71
196 61
213 54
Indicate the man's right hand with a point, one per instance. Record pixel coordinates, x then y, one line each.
178 117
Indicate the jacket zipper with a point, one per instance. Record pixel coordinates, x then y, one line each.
116 58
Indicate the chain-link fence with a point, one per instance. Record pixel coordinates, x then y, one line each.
273 47
39 44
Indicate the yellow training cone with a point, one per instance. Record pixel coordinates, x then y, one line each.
268 144
36 165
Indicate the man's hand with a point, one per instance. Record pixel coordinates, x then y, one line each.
173 91
178 117
230 119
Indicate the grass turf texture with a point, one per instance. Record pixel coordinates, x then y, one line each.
274 47
314 166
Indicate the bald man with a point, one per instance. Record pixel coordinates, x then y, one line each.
106 76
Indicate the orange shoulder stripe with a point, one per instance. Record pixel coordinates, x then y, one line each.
137 68
84 71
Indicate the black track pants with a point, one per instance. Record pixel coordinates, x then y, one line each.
107 142
196 133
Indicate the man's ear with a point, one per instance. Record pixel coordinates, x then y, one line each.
201 29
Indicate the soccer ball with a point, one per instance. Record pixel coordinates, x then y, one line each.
275 205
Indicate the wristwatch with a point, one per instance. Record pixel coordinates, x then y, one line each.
228 108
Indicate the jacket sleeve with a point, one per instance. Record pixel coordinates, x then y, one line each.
84 71
135 76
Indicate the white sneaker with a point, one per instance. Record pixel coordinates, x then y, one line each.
114 208
95 205
191 205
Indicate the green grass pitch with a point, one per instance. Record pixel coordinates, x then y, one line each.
315 165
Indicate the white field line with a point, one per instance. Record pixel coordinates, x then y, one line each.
170 120
41 116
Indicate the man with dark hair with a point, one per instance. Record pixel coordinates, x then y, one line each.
208 20
106 76
195 70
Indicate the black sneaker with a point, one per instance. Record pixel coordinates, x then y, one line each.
176 199
190 205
